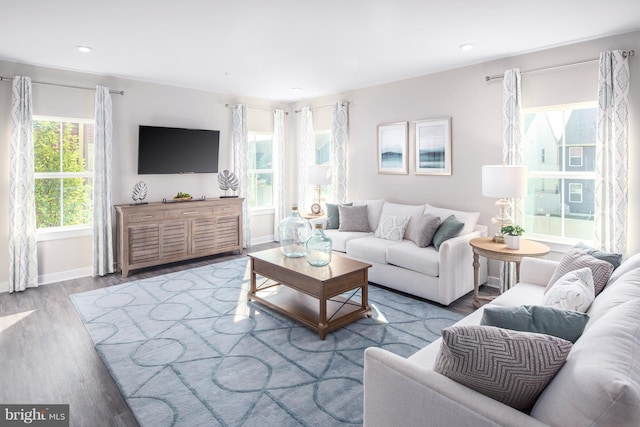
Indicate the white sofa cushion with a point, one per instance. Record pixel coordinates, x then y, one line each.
573 291
618 292
374 209
521 293
469 219
339 239
408 255
370 248
414 212
599 383
392 227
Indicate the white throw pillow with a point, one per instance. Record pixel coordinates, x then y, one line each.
392 227
573 291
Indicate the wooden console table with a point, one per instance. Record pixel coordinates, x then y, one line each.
159 233
486 247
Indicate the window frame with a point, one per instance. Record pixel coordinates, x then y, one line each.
63 231
572 192
261 210
562 175
572 156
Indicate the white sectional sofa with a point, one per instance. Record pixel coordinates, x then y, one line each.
442 275
598 384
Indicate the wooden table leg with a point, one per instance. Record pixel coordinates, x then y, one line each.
322 327
476 266
252 289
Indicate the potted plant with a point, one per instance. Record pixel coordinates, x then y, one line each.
512 235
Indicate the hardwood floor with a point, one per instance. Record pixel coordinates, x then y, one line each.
49 358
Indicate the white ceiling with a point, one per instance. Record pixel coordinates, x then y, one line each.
265 48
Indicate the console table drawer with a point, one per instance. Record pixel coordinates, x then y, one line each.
227 209
145 216
188 211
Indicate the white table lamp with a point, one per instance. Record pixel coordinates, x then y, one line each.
318 175
504 182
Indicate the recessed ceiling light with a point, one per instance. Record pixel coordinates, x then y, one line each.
296 89
466 46
84 49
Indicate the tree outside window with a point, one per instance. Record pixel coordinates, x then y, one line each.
63 172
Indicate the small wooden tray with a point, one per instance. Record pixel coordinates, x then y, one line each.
182 199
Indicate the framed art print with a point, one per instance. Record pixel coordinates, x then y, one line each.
433 146
393 148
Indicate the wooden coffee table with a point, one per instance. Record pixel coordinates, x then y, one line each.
311 295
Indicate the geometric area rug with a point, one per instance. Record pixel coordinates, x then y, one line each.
187 349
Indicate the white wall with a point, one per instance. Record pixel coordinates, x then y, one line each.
463 94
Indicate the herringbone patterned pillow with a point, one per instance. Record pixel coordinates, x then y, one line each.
576 259
509 366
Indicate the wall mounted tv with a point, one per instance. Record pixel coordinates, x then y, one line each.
165 150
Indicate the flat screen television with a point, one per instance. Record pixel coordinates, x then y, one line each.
165 150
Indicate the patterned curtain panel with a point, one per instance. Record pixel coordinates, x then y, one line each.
278 172
612 153
240 142
339 141
102 231
306 157
23 256
512 150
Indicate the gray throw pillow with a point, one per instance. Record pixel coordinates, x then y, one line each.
611 257
565 324
449 228
576 259
511 367
333 215
353 218
423 232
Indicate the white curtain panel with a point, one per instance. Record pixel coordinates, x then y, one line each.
612 153
102 140
306 157
278 172
512 150
339 142
23 256
240 143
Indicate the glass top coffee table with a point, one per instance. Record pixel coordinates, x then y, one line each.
321 298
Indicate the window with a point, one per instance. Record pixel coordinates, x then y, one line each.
575 192
63 163
561 191
260 170
575 156
323 157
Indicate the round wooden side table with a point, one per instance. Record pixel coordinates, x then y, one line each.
486 247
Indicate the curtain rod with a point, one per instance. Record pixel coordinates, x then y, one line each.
286 113
554 67
344 104
8 79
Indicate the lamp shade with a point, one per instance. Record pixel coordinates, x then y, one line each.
319 175
504 181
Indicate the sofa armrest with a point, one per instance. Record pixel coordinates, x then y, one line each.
537 271
455 259
322 220
400 392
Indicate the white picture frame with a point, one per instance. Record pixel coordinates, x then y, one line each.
393 148
433 146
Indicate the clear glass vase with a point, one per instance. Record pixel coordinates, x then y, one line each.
318 248
294 232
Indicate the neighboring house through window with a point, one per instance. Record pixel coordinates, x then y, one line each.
260 170
63 172
559 144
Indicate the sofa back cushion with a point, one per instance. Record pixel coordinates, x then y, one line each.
626 288
469 219
599 383
414 212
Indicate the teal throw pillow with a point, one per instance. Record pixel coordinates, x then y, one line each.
611 257
565 324
333 215
449 228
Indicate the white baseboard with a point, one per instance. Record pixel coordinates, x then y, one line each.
56 277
